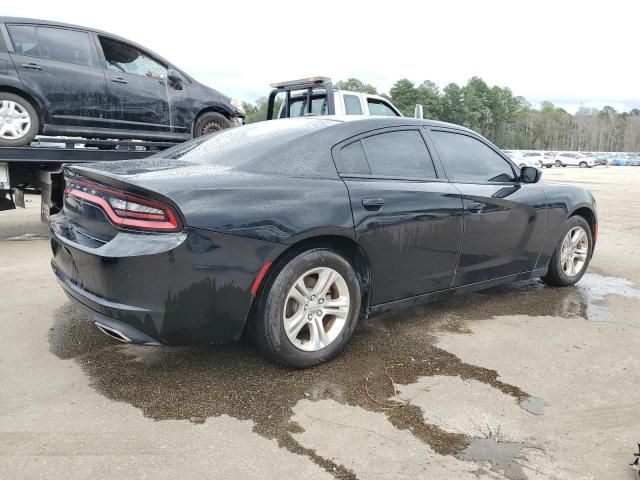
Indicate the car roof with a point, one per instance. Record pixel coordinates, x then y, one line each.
35 21
373 122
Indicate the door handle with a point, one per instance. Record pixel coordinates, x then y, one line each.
475 207
119 80
373 203
31 66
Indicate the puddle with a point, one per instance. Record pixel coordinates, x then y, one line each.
532 405
195 383
504 457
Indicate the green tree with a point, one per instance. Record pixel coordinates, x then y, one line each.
404 96
355 85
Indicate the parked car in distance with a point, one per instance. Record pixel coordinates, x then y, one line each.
62 79
574 159
620 160
601 159
296 228
317 96
535 159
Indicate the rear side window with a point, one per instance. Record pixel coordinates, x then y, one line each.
380 108
62 45
58 44
3 47
353 159
121 57
352 105
391 154
467 159
24 39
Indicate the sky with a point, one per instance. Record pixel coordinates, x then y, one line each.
569 53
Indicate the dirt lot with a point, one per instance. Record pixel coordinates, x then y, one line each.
523 381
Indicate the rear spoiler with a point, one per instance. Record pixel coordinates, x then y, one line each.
309 84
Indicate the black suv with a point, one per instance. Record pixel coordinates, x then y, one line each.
58 79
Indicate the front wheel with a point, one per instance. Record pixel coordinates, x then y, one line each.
558 163
583 165
210 122
572 254
308 311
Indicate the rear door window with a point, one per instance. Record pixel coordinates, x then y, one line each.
399 154
352 105
467 159
62 45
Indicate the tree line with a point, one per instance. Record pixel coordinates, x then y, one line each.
504 118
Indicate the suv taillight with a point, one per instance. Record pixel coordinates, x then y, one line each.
123 209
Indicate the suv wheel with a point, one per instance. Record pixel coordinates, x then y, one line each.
19 121
308 311
558 163
210 122
583 165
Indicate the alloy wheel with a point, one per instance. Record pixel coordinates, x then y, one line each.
316 309
15 120
574 251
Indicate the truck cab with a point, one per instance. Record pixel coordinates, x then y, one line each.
316 96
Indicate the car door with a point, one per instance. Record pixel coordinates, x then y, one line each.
407 218
59 66
137 88
504 219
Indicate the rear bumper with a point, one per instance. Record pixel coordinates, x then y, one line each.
173 289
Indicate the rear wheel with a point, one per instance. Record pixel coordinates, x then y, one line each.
19 121
308 311
572 254
210 122
548 165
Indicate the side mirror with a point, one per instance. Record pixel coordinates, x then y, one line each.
417 112
530 175
174 77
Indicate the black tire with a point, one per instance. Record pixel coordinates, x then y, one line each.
266 327
558 163
555 275
33 117
210 122
548 165
564 165
583 165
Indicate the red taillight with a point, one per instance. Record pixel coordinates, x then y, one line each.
123 209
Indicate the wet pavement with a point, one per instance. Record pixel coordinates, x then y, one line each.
518 381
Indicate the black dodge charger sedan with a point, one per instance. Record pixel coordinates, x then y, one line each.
295 229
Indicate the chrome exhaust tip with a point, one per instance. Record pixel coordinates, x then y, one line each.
113 333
